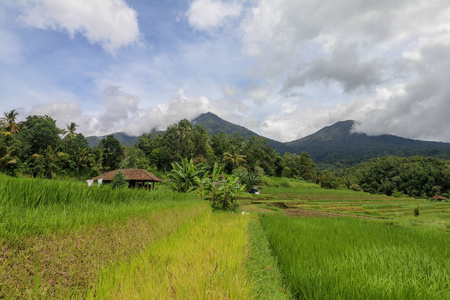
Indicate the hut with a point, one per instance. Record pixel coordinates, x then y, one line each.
438 198
136 178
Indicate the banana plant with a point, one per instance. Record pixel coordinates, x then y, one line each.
184 177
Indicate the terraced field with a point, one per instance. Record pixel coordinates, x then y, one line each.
321 202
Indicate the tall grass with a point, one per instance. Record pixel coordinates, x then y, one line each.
37 206
204 260
346 258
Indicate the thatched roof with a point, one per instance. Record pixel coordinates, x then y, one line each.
438 197
130 174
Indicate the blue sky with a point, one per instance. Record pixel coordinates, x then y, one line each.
282 68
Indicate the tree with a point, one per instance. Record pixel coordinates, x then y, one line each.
39 132
47 163
234 156
10 122
9 162
112 152
184 177
70 130
306 167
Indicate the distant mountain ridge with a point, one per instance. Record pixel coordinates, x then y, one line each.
333 145
124 139
337 143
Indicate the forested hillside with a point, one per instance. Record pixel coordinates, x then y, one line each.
337 145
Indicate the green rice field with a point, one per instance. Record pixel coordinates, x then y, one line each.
62 239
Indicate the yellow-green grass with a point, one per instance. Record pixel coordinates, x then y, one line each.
67 263
55 236
205 259
348 258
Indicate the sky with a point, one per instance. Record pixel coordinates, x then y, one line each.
282 68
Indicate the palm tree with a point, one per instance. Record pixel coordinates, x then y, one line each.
71 130
234 156
10 121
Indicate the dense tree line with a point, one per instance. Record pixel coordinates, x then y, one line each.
184 140
414 176
39 148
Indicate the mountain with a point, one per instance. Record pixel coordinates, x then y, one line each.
338 145
334 145
124 139
214 125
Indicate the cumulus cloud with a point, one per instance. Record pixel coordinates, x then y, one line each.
417 109
389 58
343 66
122 113
65 112
206 15
165 114
111 23
120 106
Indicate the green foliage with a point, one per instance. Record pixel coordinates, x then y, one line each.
40 132
112 153
9 122
413 176
119 181
9 160
220 191
247 178
328 180
184 177
416 211
183 140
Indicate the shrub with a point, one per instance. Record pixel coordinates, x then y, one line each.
119 181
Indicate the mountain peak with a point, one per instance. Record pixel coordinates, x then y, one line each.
338 131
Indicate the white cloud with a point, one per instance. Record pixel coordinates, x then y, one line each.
165 114
111 23
210 14
259 95
120 106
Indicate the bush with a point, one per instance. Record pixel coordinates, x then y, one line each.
119 181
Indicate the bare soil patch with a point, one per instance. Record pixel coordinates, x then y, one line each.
297 212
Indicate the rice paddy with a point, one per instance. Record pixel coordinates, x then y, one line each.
348 258
65 240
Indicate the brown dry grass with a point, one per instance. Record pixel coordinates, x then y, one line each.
297 212
64 264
